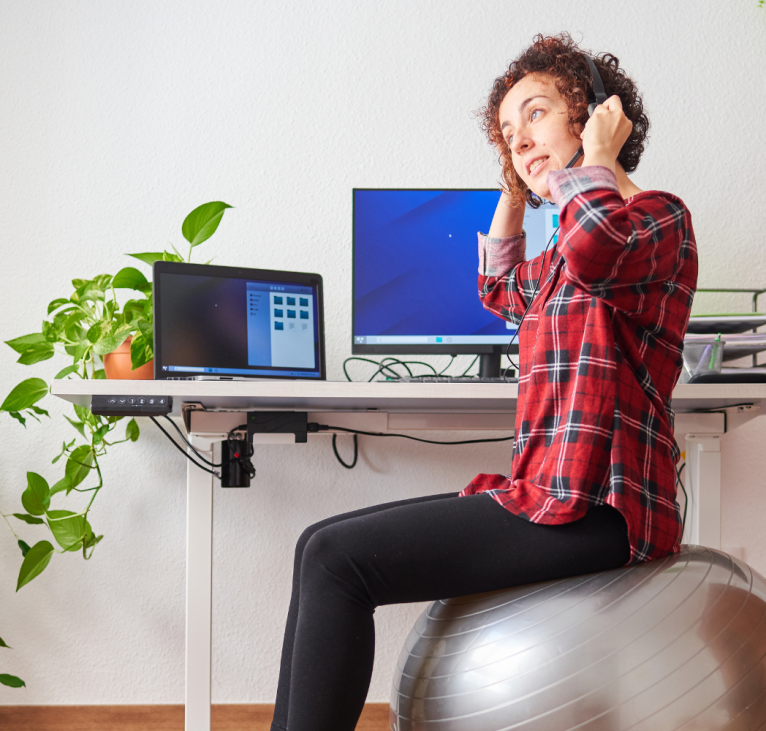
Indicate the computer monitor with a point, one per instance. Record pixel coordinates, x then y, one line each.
415 272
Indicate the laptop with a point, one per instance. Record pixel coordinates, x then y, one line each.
233 323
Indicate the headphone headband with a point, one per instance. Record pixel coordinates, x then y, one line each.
598 85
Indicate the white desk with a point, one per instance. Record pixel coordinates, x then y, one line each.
212 409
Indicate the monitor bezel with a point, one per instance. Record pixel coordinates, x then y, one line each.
421 349
210 270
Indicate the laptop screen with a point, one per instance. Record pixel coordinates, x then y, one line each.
230 322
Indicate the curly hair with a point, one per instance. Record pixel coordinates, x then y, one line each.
559 57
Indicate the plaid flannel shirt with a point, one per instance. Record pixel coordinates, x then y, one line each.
599 355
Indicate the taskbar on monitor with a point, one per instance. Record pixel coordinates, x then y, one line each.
283 373
434 339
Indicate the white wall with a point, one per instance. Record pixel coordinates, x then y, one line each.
119 117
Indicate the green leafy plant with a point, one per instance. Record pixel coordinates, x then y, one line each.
85 326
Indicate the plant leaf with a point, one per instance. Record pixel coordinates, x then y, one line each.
129 278
100 433
34 563
67 527
37 497
11 681
91 291
77 425
149 257
16 415
49 332
33 348
92 540
102 329
25 394
141 351
55 304
29 519
78 351
22 343
66 371
73 318
132 431
85 415
102 280
203 221
147 329
25 549
170 256
65 483
79 464
36 353
108 344
2 644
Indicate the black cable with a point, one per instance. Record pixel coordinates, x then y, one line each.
182 450
356 452
686 497
324 427
387 367
531 300
189 444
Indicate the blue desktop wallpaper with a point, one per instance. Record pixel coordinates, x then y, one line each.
416 261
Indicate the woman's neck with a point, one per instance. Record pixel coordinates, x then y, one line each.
627 188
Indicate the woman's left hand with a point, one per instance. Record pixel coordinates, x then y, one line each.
605 133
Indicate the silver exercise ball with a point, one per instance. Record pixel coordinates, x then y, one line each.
678 643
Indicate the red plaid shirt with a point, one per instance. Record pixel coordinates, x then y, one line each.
600 353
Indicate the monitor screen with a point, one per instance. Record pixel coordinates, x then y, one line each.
222 322
415 270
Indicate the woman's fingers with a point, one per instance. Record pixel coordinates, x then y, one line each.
608 129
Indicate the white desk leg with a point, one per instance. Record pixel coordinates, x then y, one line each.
703 468
199 590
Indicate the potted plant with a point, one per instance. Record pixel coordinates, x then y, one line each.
87 326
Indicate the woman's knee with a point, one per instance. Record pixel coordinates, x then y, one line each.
329 558
323 547
303 539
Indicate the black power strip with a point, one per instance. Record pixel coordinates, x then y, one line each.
131 405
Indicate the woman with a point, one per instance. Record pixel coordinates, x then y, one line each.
593 478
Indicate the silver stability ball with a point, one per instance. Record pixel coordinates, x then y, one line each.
677 643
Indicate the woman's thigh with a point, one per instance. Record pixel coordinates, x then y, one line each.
308 532
453 546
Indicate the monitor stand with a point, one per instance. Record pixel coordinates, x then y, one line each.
489 365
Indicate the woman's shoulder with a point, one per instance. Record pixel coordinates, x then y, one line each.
649 198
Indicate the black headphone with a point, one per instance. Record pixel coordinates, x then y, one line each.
600 97
599 93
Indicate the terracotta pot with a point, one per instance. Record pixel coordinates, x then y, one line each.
117 365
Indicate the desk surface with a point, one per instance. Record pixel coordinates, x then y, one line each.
364 396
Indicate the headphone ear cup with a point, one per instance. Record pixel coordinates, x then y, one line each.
591 108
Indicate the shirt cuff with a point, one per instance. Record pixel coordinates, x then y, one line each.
501 255
567 183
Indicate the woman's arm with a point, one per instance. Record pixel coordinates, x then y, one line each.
500 253
508 220
622 253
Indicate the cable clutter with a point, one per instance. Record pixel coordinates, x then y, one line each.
236 468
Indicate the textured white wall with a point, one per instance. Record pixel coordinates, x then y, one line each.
120 117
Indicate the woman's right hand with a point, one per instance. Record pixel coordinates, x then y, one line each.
519 198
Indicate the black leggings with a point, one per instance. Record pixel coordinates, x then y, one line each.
416 550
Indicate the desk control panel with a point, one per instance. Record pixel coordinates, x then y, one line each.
131 405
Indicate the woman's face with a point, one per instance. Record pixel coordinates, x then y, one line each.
534 122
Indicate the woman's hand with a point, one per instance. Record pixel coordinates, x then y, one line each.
605 133
509 197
